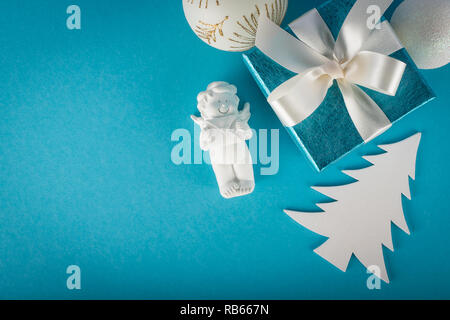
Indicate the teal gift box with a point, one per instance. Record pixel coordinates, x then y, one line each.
329 132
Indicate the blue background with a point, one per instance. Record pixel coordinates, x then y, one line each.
86 119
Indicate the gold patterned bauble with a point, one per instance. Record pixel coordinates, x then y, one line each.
231 25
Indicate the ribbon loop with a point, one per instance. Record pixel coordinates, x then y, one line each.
375 71
284 48
312 30
357 27
383 40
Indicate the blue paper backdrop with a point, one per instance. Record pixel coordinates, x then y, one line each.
86 119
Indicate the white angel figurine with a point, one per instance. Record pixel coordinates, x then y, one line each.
224 130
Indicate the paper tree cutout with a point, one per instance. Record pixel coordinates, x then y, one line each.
359 222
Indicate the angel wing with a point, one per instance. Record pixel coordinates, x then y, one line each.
199 120
244 115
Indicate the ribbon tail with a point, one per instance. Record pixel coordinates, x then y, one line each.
285 49
369 120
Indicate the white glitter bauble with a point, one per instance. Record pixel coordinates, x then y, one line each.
423 26
231 25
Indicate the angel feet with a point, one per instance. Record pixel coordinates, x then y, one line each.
237 188
230 190
246 187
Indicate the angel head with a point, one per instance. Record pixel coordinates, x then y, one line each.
218 100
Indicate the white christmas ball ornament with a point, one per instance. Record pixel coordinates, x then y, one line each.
231 25
423 26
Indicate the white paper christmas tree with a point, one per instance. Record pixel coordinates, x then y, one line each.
359 222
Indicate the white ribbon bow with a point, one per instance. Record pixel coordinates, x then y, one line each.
360 56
